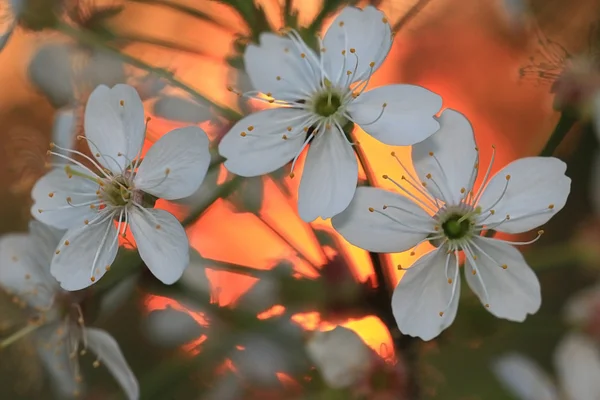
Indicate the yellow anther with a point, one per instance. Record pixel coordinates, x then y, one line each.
97 155
243 134
384 176
487 306
504 266
302 55
284 137
450 280
250 128
40 210
348 72
473 272
507 177
292 175
278 77
352 50
400 267
122 103
541 232
343 52
371 209
50 194
157 226
305 129
93 279
412 253
289 128
67 243
27 276
86 221
167 171
107 268
69 199
463 190
384 105
271 101
57 252
96 364
384 20
441 313
507 217
372 64
385 206
551 206
492 212
341 23
428 176
424 184
92 206
431 154
52 145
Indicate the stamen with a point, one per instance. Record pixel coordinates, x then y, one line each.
412 229
539 235
471 257
486 176
499 198
91 160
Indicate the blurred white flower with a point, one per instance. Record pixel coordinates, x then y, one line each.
444 209
319 95
516 12
340 355
65 71
583 310
177 108
97 203
577 363
58 326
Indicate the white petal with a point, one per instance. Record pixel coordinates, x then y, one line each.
341 356
52 347
176 165
263 149
177 108
162 243
171 328
90 248
406 118
277 67
512 293
524 378
580 308
194 277
50 194
20 269
108 352
536 183
329 177
115 125
50 71
424 292
373 231
367 32
453 160
64 129
577 363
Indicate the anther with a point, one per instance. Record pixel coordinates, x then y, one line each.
507 217
352 50
384 20
348 72
371 209
385 206
50 194
551 206
67 243
487 306
441 313
463 190
27 276
107 268
507 177
372 64
250 128
450 280
83 352
412 253
504 266
393 153
40 210
93 279
289 128
400 267
428 176
122 103
431 154
96 364
343 52
157 226
386 177
292 175
243 134
492 212
52 145
57 252
167 171
384 105
541 232
473 272
86 221
278 77
341 23
284 137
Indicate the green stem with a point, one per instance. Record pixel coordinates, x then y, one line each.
21 333
90 39
564 125
235 268
410 14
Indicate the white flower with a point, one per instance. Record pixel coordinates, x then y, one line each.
318 95
577 363
340 355
98 202
58 326
444 208
583 310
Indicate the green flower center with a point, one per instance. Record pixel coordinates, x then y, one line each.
117 192
456 227
327 103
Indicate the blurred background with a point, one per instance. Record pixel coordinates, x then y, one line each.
263 280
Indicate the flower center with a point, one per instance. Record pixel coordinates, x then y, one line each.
327 103
456 226
118 191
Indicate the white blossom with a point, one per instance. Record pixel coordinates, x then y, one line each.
577 363
443 207
96 203
57 325
317 95
341 356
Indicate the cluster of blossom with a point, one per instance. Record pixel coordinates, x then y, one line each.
319 95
